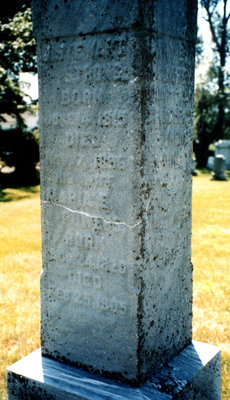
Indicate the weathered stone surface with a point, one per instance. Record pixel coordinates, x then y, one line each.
194 374
79 17
116 87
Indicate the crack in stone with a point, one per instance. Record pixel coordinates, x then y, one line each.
107 221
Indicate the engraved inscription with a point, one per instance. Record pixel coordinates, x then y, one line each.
85 279
94 301
75 50
97 73
87 164
84 118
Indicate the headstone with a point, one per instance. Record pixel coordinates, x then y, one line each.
194 173
223 147
210 162
219 168
116 90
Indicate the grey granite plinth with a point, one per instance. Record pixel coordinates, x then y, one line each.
194 374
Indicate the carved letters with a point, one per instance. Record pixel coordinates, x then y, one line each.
77 49
94 301
84 160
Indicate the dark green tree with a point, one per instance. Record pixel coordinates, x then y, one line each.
199 48
212 97
218 19
205 120
18 147
17 54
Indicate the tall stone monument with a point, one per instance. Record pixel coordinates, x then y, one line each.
116 90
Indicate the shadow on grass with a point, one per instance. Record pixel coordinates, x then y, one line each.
15 193
206 171
16 186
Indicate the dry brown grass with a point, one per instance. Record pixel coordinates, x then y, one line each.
20 261
211 259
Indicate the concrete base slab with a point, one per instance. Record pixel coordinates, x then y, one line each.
194 374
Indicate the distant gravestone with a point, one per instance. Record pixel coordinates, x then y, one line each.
222 147
219 168
116 88
210 162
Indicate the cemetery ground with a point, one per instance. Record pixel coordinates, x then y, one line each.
20 261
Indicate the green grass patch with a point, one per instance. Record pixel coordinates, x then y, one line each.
20 260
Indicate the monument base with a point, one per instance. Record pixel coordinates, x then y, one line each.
194 374
218 177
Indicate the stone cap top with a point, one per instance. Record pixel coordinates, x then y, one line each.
53 19
220 156
222 143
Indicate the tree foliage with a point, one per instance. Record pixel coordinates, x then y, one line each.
17 54
199 48
205 119
218 19
18 147
212 97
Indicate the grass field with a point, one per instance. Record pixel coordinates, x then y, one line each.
211 260
20 265
20 262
